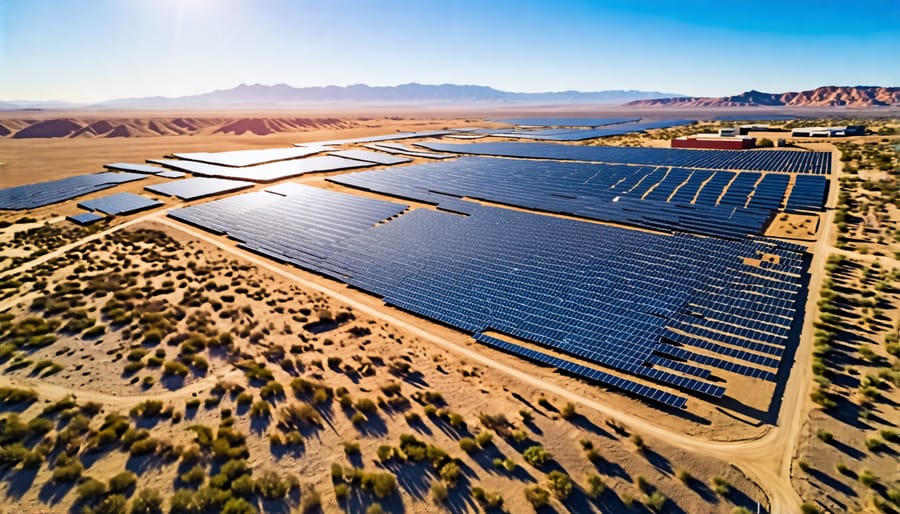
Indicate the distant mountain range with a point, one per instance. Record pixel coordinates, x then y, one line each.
827 96
284 96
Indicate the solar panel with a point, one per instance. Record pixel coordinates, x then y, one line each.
373 157
85 218
171 174
266 172
32 196
194 188
136 168
121 203
241 158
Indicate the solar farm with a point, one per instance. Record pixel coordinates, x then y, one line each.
642 270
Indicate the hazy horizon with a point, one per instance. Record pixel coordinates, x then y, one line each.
108 50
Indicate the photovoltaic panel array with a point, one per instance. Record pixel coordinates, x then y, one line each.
32 196
816 163
384 137
395 148
85 218
645 196
808 194
310 221
199 187
135 168
266 172
240 158
568 134
565 122
120 203
373 157
665 308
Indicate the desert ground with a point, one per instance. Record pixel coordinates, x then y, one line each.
145 359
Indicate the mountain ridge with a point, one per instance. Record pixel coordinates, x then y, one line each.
824 96
284 95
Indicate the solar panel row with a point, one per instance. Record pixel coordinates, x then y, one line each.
200 187
32 196
808 194
376 139
372 157
241 158
135 168
817 163
265 172
402 150
120 203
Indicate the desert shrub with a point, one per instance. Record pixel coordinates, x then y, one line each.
68 473
867 478
112 504
351 447
122 482
450 473
147 409
720 486
175 368
537 496
272 389
536 455
238 506
260 409
385 452
560 484
15 395
655 501
438 491
809 508
147 501
143 447
366 406
468 445
194 476
684 476
568 411
382 484
484 439
90 491
824 435
270 485
341 491
595 486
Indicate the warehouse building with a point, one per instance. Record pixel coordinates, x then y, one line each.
849 130
714 141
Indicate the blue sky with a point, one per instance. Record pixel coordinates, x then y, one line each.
77 50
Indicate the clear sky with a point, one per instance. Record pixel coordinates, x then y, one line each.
88 50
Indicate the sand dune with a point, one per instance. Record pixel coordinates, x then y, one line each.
176 126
